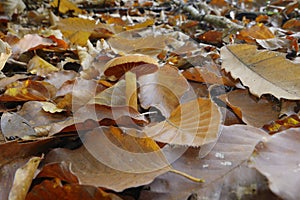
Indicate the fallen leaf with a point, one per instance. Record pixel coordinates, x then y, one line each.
261 71
209 74
58 78
28 90
292 121
40 67
94 172
192 124
65 6
76 30
30 41
31 117
14 155
253 112
61 171
112 96
158 89
8 80
136 45
258 31
292 24
148 22
5 52
23 178
234 146
277 158
55 189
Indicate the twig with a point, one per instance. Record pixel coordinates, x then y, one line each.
215 20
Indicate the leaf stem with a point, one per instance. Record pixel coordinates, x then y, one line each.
187 176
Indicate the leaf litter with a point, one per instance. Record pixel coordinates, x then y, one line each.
128 100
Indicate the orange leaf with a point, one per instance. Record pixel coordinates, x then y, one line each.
193 123
258 31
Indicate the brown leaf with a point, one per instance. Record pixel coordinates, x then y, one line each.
28 90
291 121
209 74
261 71
278 159
193 124
123 44
253 112
292 24
234 146
62 171
14 155
258 31
158 89
58 78
31 117
55 189
96 158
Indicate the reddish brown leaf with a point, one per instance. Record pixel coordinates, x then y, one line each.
55 189
253 112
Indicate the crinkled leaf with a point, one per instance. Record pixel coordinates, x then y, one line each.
253 112
261 71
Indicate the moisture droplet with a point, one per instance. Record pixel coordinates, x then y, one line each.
226 163
219 155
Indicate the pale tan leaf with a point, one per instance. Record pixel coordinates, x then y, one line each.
23 179
5 52
112 96
30 41
40 67
262 71
50 107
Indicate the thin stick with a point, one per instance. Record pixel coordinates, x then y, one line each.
218 21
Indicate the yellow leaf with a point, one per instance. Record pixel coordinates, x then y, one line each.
77 30
65 6
39 66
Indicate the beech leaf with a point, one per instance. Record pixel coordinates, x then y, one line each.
262 71
278 159
193 123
